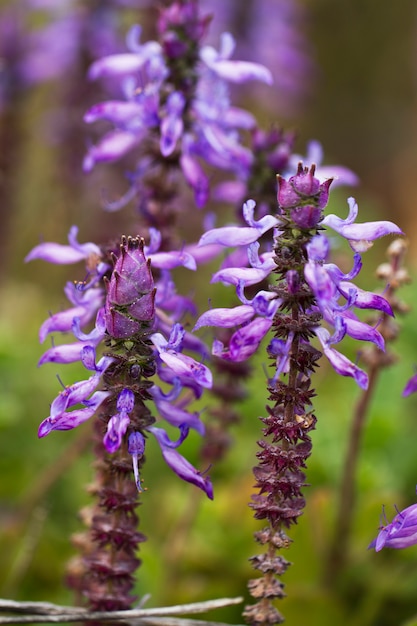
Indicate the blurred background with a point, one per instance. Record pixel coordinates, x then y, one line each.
345 74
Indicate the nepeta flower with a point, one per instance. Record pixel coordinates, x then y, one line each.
400 533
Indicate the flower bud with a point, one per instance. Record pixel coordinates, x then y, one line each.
304 196
130 297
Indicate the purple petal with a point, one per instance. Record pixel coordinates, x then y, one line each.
244 342
366 299
362 233
186 366
66 353
67 421
117 111
163 438
63 321
176 416
196 178
169 260
112 146
225 318
411 386
238 235
361 331
116 429
55 253
116 64
182 467
340 362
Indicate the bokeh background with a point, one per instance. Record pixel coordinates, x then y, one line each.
345 74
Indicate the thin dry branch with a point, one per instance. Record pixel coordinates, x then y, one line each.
45 612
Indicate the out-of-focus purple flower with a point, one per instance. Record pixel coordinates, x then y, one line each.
339 174
400 533
290 58
56 39
411 386
59 254
195 121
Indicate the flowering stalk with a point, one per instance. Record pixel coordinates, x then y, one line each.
394 275
174 115
307 292
132 328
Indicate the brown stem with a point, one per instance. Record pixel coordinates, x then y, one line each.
338 552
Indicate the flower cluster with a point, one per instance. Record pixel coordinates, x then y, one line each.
335 296
175 101
137 325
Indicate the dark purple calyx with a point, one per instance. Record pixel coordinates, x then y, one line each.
130 299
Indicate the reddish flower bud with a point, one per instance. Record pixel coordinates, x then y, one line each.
130 291
304 196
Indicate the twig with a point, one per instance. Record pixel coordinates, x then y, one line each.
44 612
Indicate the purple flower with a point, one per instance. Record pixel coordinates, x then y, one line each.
182 365
118 423
360 236
195 120
411 386
400 533
325 285
179 464
240 235
59 254
136 448
339 174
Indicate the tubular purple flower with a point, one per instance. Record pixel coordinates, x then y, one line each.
225 318
177 416
235 71
411 386
172 124
360 236
340 362
118 424
195 177
244 342
72 419
136 448
89 302
59 254
339 174
240 235
182 365
112 147
115 111
400 533
180 465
